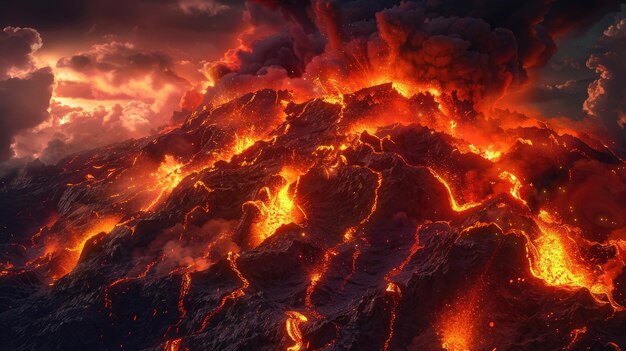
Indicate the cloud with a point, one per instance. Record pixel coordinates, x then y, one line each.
461 54
113 84
106 94
607 94
17 46
117 64
23 104
210 7
193 29
477 49
74 129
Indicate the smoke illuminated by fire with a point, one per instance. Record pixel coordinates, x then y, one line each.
367 195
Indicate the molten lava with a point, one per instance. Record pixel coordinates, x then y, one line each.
67 254
365 210
165 178
233 295
555 258
292 326
277 209
453 202
516 185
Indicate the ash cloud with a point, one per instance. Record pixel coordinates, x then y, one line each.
535 23
460 54
477 49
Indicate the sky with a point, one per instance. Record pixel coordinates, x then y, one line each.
119 68
82 74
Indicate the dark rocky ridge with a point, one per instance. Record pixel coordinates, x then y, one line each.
406 234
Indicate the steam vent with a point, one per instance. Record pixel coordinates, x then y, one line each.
313 175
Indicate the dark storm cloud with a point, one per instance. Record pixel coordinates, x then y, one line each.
533 22
24 99
192 28
17 46
185 14
555 100
298 11
280 50
23 105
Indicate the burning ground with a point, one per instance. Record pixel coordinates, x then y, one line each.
344 184
380 221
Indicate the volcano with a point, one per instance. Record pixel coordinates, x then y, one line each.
375 220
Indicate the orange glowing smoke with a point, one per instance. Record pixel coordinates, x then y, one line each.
292 325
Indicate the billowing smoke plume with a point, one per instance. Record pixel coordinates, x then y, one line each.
476 49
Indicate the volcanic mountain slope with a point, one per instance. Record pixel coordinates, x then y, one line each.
370 221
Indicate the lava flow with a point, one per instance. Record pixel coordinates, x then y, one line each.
355 177
292 325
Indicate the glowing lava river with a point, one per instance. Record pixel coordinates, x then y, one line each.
372 220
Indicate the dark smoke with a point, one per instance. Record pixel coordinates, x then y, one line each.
476 48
